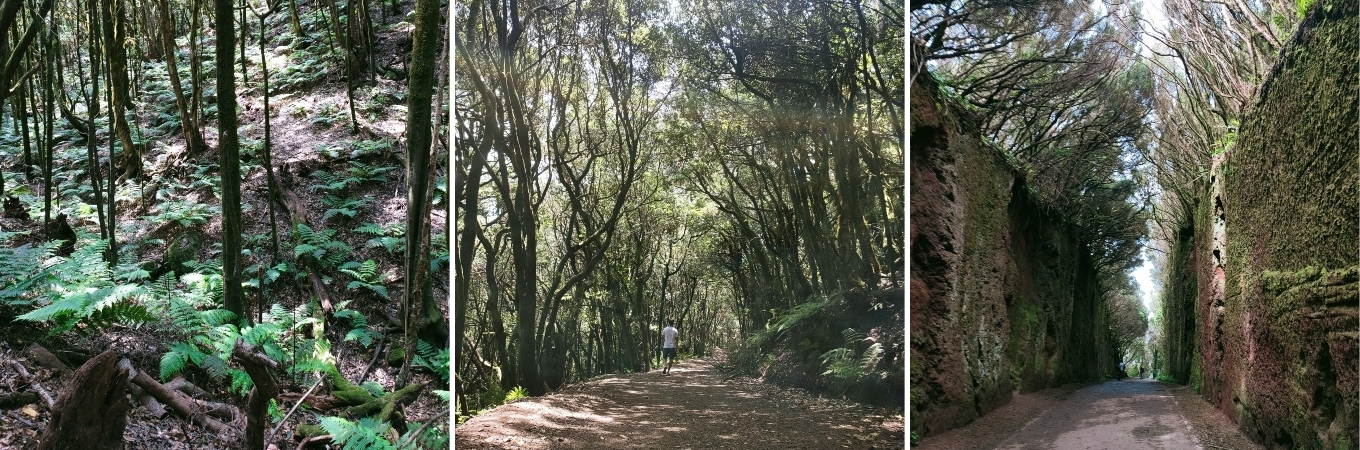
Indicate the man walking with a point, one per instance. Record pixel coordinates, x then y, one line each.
668 344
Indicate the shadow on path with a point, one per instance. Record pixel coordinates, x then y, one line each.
691 408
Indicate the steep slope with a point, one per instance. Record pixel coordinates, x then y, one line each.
1003 296
1277 270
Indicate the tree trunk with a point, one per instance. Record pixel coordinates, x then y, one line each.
115 33
229 158
91 411
47 147
260 368
419 137
272 183
193 135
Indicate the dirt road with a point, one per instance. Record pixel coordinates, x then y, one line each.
1119 414
1126 414
692 408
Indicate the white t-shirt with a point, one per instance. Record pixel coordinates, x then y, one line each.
668 336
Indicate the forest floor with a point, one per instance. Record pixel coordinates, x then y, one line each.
172 217
1131 413
693 407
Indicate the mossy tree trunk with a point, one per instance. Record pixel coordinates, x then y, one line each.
420 321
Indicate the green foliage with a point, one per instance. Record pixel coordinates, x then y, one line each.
359 330
1302 7
22 269
432 437
391 237
515 394
211 332
275 413
82 290
780 324
436 360
915 438
365 276
259 274
364 435
845 365
1226 142
370 147
347 207
319 246
356 174
328 115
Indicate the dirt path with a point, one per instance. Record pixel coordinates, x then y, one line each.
1118 414
1132 413
692 408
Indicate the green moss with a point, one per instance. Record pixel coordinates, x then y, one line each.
1195 373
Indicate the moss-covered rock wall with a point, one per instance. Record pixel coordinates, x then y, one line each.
1277 276
1004 297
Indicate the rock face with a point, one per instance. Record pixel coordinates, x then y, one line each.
1277 248
1004 297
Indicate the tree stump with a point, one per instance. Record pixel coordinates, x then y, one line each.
59 229
91 411
14 208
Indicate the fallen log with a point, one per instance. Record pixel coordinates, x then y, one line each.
40 355
91 412
294 209
181 403
180 384
388 407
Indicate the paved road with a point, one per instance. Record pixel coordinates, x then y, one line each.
1128 414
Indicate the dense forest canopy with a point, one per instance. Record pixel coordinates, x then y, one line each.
623 162
1110 110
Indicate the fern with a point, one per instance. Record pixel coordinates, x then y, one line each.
430 437
364 435
360 331
345 206
95 307
390 238
240 382
356 174
844 365
515 394
319 246
365 276
436 360
22 270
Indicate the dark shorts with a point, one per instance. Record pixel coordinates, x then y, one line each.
668 353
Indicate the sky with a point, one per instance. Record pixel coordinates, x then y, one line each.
1146 288
1152 11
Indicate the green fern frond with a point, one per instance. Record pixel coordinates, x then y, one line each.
365 435
371 228
214 365
240 382
217 317
173 362
433 359
260 334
